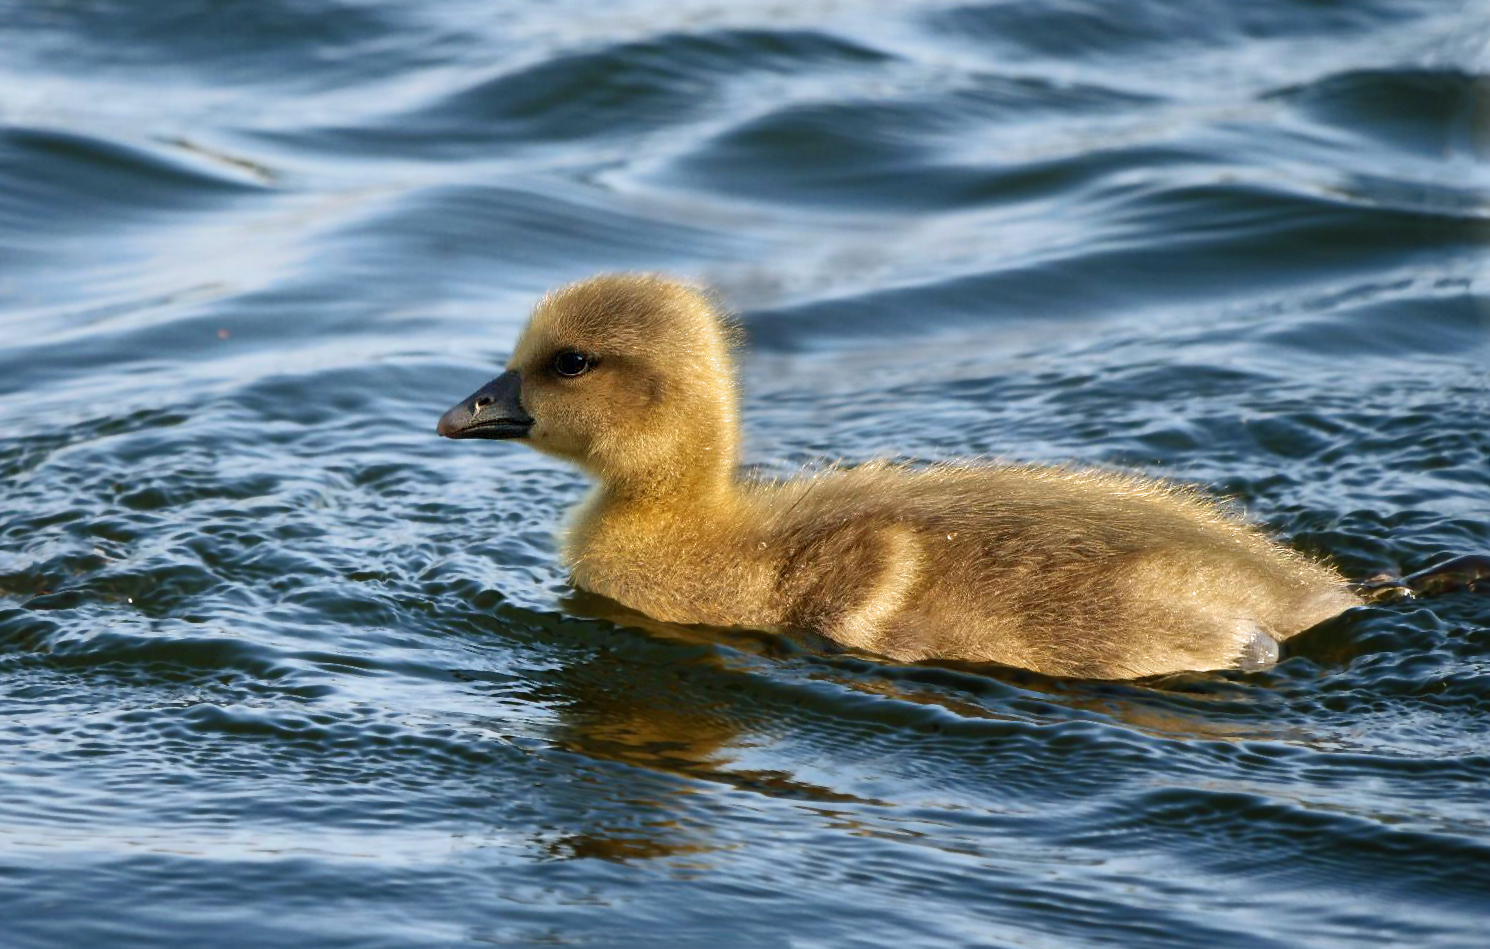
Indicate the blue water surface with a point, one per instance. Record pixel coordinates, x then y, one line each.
278 667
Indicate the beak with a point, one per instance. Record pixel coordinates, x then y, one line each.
493 411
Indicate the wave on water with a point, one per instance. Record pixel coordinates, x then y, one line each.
279 667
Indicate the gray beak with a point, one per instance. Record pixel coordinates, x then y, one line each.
493 411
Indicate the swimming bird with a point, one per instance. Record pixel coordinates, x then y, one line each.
1060 570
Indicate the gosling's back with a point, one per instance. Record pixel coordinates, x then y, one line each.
1065 572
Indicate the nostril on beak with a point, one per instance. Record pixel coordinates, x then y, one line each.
481 403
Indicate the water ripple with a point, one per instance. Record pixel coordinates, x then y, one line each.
281 667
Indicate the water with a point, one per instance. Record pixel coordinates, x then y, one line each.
278 667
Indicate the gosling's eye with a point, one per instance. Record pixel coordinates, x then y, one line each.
571 363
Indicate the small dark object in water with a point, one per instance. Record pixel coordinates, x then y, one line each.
1470 572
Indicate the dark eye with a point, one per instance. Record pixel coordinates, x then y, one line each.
571 363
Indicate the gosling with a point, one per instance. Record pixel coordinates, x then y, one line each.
1061 571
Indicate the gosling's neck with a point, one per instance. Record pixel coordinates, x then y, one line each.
691 473
703 479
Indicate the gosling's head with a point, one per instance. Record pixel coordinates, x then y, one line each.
628 375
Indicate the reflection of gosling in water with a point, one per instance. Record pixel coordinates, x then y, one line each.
1060 571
